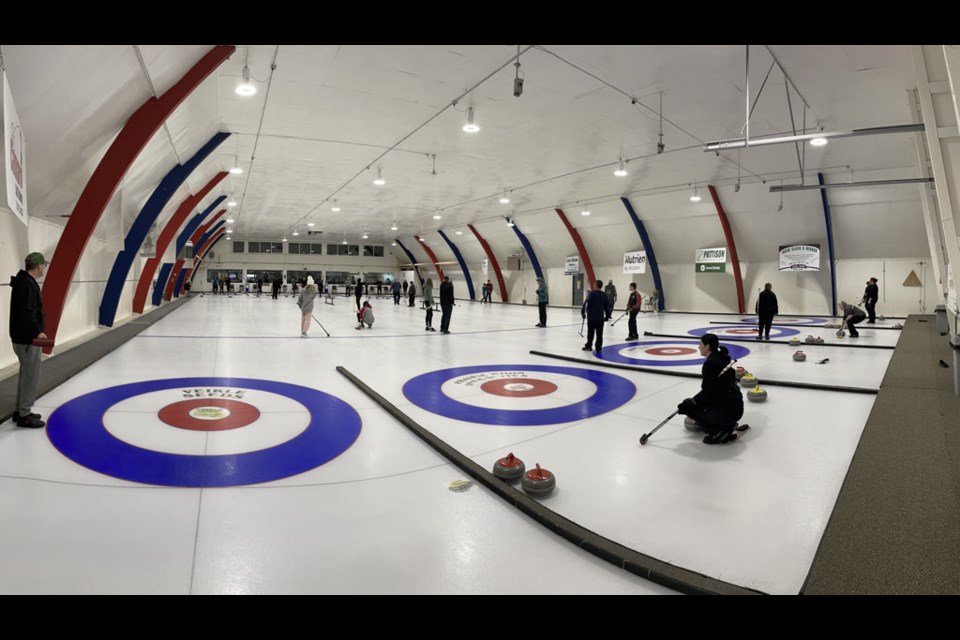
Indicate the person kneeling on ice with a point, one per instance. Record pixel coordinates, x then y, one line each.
365 316
719 405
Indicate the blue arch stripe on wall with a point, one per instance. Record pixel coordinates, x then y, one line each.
413 261
194 223
179 283
162 278
141 226
529 249
829 223
212 230
463 265
648 247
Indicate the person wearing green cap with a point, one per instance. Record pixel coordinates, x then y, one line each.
27 324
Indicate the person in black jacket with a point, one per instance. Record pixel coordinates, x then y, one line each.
26 324
719 404
597 309
870 296
766 309
446 304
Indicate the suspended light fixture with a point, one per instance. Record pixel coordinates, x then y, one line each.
393 244
335 208
364 236
232 203
379 181
246 88
229 230
284 238
696 196
585 211
437 215
344 240
459 233
818 142
295 232
504 199
394 227
470 126
236 169
621 170
311 224
229 220
509 222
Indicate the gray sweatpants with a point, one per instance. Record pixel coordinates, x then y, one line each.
29 380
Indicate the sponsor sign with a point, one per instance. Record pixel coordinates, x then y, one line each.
800 257
635 262
712 260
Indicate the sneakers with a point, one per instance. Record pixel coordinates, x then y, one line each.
721 437
587 347
430 329
31 422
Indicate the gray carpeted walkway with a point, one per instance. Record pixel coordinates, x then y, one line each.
896 525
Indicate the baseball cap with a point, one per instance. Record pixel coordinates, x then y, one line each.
36 258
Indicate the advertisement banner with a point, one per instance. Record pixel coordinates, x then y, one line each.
571 265
713 260
800 257
483 267
15 156
635 262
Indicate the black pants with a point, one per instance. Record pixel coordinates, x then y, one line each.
358 300
411 301
632 324
543 313
595 327
714 419
765 322
429 316
854 321
445 311
871 311
396 298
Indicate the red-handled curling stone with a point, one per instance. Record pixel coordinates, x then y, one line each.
509 468
740 371
538 481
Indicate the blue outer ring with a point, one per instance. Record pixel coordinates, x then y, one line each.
612 392
778 331
612 353
805 321
76 429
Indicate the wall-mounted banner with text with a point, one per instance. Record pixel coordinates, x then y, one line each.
711 260
800 257
635 262
571 265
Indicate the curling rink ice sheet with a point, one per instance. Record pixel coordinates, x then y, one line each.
220 452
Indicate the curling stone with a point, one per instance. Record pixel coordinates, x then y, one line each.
757 395
740 371
881 318
840 333
538 481
799 356
810 339
749 380
691 424
509 468
794 341
899 325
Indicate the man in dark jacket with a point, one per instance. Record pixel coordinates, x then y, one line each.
597 309
446 304
26 324
870 295
766 309
851 316
633 308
